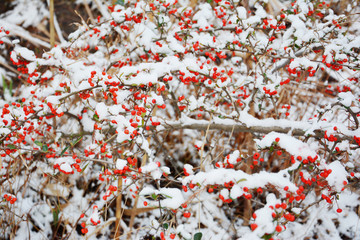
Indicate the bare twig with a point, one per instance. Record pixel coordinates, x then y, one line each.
260 126
202 146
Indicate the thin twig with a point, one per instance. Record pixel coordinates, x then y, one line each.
202 146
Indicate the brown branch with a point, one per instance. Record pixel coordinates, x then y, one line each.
279 126
79 91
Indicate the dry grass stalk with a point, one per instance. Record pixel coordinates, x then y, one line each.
52 26
118 212
88 11
133 214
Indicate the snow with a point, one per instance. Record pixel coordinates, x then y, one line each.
302 62
26 13
289 143
241 13
338 175
204 16
101 110
120 164
241 178
346 98
153 169
171 198
25 53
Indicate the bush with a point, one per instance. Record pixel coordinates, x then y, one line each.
183 120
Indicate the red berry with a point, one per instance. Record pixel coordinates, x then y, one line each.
187 214
253 226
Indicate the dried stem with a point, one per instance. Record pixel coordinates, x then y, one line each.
52 25
118 213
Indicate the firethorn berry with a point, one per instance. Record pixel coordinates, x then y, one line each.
278 228
253 226
248 196
339 210
187 214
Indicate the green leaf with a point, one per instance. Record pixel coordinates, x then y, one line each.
83 169
267 236
45 148
271 148
55 213
198 236
96 117
209 1
77 140
166 195
63 151
154 196
241 180
166 226
40 144
11 146
120 2
6 86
